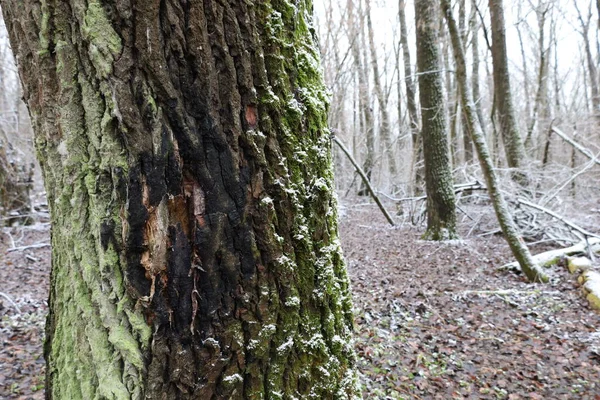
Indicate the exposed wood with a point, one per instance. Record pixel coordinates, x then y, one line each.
551 257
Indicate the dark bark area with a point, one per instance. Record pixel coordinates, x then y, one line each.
187 163
441 215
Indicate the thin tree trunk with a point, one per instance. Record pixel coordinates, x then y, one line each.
526 88
381 99
474 25
592 72
363 97
519 250
441 215
540 104
513 144
411 103
467 145
187 164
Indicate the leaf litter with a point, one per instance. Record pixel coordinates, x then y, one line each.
433 320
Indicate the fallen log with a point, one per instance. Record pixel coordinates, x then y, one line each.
548 258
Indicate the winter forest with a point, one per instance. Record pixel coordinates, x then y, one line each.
449 149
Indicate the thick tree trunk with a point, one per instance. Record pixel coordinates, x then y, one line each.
513 144
188 169
441 214
509 230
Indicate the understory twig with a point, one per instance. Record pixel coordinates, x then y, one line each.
365 179
31 246
558 217
11 302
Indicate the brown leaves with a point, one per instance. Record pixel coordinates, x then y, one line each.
436 320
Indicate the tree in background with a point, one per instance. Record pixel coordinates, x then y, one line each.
187 163
513 144
411 102
441 208
509 229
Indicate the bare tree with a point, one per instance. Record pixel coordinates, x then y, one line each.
509 229
381 99
592 71
513 144
441 214
187 163
411 100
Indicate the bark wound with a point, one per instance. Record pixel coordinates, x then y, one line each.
223 248
251 116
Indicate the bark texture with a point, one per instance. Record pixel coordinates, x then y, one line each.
441 208
513 144
187 163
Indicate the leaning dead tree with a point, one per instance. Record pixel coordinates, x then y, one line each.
365 180
517 246
577 146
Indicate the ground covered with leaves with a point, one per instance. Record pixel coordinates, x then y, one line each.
433 320
440 321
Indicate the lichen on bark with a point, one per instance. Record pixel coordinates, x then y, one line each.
441 207
187 163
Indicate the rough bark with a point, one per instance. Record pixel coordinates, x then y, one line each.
509 230
467 145
187 163
411 101
513 144
441 214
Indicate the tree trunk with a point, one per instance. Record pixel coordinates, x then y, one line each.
513 144
187 163
467 145
363 96
441 215
411 102
509 230
591 64
540 105
381 100
474 25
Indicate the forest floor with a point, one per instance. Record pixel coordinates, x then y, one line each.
433 320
